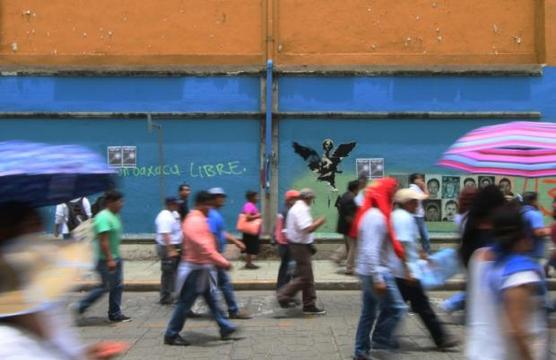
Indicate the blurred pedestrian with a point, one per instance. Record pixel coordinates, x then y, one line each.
108 230
378 243
507 296
35 280
169 240
411 290
465 200
280 235
251 241
70 215
346 212
552 258
466 197
477 234
300 227
363 181
218 229
183 193
196 272
417 184
535 229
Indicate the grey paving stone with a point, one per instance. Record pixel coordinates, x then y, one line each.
272 334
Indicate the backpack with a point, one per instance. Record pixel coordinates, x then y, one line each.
76 214
98 206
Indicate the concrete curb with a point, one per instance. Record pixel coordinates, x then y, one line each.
148 286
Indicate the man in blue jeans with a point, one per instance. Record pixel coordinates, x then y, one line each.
218 228
380 292
108 230
197 271
417 183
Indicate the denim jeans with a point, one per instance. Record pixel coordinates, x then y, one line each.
188 295
283 276
227 290
423 234
392 308
112 283
367 319
455 302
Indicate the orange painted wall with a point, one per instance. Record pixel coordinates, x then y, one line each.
132 33
406 31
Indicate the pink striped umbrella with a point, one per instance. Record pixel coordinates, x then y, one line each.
520 148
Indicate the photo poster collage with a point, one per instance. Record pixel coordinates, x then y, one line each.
442 204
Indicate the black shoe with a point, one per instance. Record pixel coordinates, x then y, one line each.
193 315
362 357
166 302
176 341
448 343
225 334
120 318
286 304
313 310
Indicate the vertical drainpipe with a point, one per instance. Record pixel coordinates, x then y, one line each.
268 127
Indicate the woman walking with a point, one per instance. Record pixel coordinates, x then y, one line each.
251 239
507 296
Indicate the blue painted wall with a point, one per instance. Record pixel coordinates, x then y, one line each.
433 93
130 94
203 153
406 145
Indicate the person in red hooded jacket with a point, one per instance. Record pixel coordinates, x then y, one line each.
377 244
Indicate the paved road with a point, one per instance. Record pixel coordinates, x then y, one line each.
273 333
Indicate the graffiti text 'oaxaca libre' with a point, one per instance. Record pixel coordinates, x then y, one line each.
218 169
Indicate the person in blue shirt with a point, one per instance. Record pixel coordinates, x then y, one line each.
534 223
222 237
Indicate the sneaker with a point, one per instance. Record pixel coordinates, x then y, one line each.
120 318
240 315
176 341
313 310
252 267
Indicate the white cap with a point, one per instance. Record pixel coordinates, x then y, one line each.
404 195
217 191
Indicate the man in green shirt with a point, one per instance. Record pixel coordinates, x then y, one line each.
108 231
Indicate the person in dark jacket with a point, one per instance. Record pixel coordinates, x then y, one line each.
346 211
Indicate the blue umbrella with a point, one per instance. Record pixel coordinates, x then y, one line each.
42 175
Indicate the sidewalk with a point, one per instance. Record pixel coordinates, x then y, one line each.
145 276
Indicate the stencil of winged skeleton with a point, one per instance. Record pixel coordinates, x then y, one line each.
325 166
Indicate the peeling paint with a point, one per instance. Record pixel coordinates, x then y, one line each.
14 47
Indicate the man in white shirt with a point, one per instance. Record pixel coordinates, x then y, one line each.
417 184
69 215
169 238
411 290
299 229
